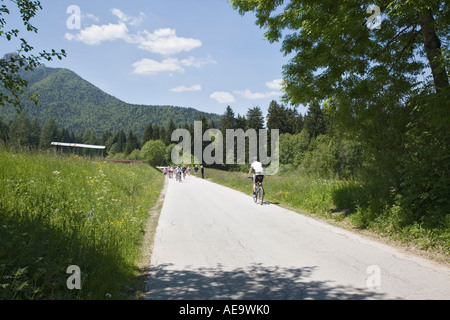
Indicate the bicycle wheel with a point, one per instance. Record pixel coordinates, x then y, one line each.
255 196
261 194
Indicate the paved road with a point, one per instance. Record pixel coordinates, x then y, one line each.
215 243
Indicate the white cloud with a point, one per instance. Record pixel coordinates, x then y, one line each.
196 62
95 34
152 67
223 97
196 87
133 21
69 36
254 96
165 41
275 84
162 41
91 17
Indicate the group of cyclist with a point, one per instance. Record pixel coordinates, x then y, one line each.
180 171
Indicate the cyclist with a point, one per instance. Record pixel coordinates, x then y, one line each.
179 172
196 170
258 177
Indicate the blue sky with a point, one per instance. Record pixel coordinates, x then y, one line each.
189 53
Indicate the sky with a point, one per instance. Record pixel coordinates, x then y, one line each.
189 53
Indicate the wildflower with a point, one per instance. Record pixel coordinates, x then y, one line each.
56 172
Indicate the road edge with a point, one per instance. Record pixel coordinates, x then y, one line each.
148 241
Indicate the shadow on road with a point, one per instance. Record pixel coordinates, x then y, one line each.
256 282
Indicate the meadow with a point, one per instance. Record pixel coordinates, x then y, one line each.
63 210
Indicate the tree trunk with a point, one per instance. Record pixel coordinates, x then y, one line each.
432 46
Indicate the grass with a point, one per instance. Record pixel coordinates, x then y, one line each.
349 203
58 211
310 194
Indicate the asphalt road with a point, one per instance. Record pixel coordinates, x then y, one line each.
215 243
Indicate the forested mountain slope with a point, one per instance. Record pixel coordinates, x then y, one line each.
77 105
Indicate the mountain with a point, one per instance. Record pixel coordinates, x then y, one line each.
76 105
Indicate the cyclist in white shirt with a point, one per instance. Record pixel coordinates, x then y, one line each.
259 173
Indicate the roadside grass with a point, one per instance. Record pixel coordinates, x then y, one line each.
58 211
349 203
318 196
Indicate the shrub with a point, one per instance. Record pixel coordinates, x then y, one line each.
154 153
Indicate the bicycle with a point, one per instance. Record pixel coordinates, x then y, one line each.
259 192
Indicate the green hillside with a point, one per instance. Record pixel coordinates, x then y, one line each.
77 105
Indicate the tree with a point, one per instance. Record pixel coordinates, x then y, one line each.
228 120
315 122
132 143
295 121
106 136
241 122
49 134
11 64
20 130
287 120
154 153
120 140
255 118
368 77
277 117
164 136
90 137
293 148
155 133
205 124
35 133
148 133
4 131
170 129
349 56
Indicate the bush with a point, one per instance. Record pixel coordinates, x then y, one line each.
135 155
320 159
154 153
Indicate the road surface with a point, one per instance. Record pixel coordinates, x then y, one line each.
213 242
